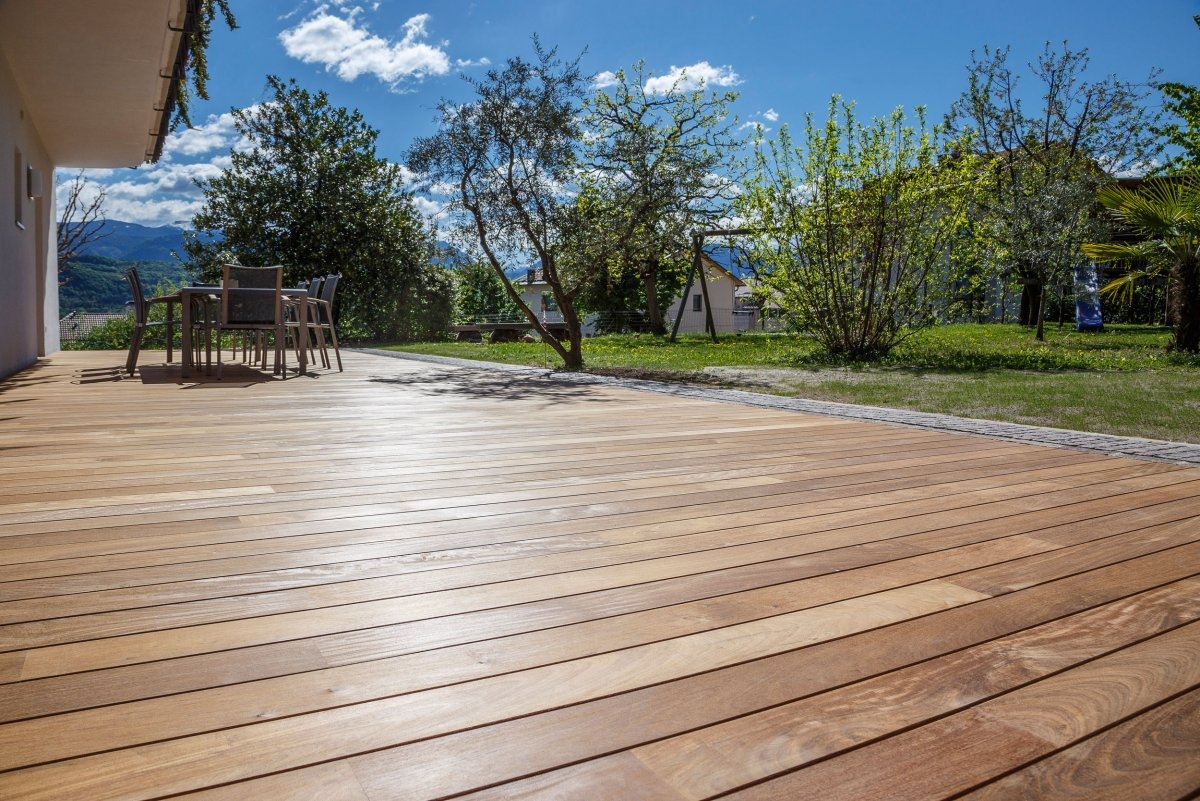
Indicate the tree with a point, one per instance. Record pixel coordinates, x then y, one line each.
479 294
1183 101
197 59
1047 159
81 222
511 155
657 167
860 227
1164 216
308 191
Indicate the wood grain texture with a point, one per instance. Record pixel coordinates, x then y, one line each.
473 583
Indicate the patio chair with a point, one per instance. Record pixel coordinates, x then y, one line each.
142 321
290 304
252 301
321 318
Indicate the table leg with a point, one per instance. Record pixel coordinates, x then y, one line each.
185 338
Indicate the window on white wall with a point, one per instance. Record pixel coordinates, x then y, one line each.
19 181
697 303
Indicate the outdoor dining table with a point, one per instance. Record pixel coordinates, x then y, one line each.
207 294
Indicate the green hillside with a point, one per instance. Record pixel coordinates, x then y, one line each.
97 283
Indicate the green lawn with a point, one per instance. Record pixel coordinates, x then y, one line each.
1121 381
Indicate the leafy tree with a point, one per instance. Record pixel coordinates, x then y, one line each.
1164 216
511 156
1046 159
1183 101
80 223
197 65
860 227
479 293
657 167
308 191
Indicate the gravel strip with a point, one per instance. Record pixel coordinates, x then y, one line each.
1151 449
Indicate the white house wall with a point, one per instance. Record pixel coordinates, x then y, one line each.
28 269
720 293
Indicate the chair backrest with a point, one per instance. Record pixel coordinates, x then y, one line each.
327 291
251 296
314 287
140 308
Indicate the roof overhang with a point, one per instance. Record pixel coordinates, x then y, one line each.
97 78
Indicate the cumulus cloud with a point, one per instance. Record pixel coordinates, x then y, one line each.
336 37
216 133
693 77
771 115
603 80
154 194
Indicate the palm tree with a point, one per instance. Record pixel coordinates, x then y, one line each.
1164 215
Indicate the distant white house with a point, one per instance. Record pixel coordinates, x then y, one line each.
732 305
82 84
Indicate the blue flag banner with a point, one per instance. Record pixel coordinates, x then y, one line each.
1087 299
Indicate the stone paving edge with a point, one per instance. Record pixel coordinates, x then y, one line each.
1180 453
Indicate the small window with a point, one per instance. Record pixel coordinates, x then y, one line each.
549 304
697 303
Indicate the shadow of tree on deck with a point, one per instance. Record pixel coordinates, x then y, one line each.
485 385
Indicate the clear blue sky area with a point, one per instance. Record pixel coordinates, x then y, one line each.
395 60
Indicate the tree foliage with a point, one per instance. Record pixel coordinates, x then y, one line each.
1047 157
859 227
1182 102
1164 217
307 190
658 165
511 156
197 65
479 294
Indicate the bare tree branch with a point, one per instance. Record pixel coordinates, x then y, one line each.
81 222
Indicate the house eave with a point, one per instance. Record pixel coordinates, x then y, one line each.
98 80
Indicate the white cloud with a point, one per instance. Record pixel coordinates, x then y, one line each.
158 194
346 47
697 75
771 115
216 133
603 80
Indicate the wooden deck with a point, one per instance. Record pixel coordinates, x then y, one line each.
410 582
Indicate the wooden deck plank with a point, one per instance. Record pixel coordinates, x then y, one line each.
528 588
702 760
1151 755
951 755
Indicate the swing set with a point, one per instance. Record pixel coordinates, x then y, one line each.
697 247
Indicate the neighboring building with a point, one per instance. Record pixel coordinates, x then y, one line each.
536 294
81 85
732 308
732 305
77 325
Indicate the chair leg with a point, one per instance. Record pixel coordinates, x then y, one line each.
336 351
135 345
320 336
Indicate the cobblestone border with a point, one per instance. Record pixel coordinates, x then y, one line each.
1152 449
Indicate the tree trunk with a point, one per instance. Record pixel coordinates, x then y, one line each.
653 312
1185 304
1029 303
1041 313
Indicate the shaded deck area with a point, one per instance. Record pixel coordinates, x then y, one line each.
409 581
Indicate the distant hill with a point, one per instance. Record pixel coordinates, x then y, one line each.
97 283
127 241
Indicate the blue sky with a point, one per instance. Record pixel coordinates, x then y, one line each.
395 59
